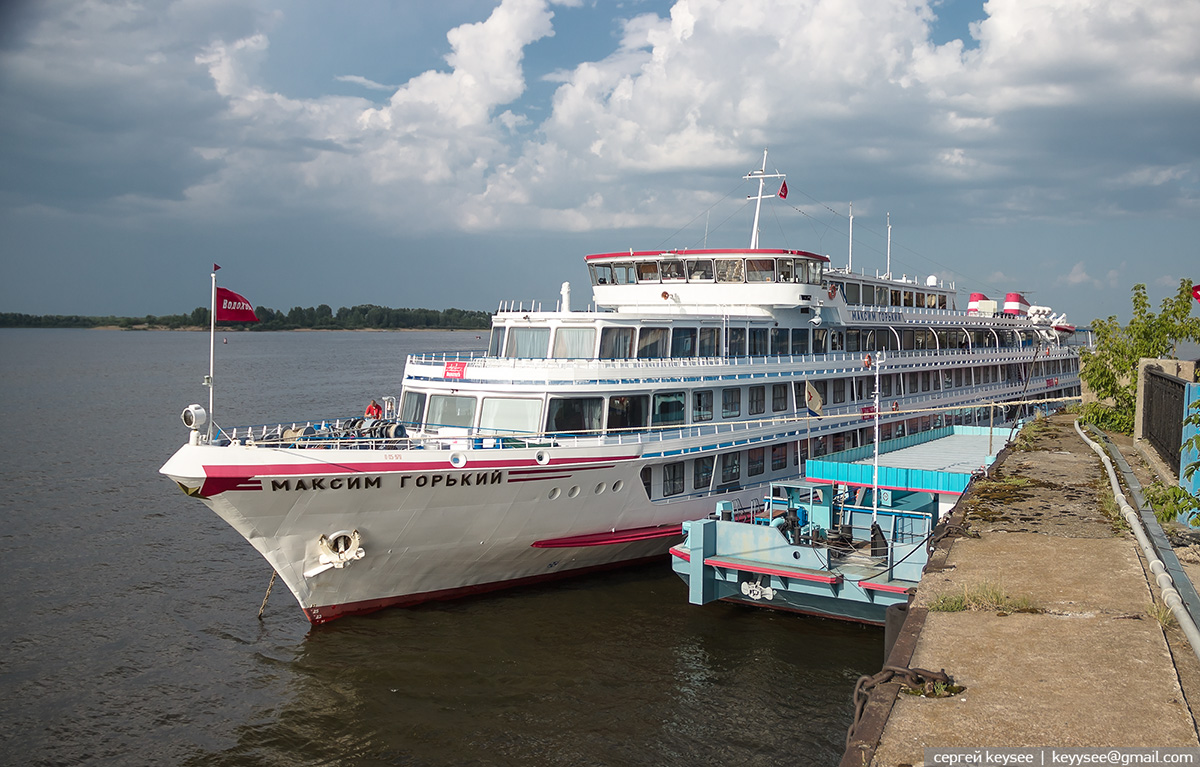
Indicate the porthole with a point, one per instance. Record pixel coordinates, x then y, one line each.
573 492
554 493
618 485
600 488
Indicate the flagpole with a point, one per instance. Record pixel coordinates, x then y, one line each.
212 349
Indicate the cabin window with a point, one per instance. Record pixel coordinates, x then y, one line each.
757 400
731 403
702 406
853 341
931 300
629 412
672 271
943 339
882 296
700 269
820 340
616 343
647 478
731 467
920 300
896 300
779 457
958 378
908 298
702 471
785 270
652 343
859 386
924 380
683 342
450 410
574 343
602 274
528 343
412 408
710 342
941 299
947 379
853 293
673 478
836 341
922 339
907 339
575 415
758 342
737 342
756 461
868 295
647 271
839 391
779 341
779 401
869 340
885 386
668 409
799 340
496 346
509 416
760 270
729 270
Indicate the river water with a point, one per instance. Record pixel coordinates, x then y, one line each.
130 633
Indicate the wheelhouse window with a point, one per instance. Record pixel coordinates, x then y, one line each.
574 343
450 410
702 471
623 274
700 270
729 270
602 274
628 412
673 478
683 342
731 403
652 343
574 415
710 342
616 343
702 406
528 343
785 270
412 407
647 271
668 409
671 271
505 415
760 270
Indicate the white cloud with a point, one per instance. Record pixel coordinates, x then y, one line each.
364 82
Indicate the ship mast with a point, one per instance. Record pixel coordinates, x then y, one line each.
762 175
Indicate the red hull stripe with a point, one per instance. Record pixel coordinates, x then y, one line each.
873 586
327 613
610 538
782 573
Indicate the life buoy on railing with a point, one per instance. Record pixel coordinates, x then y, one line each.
832 290
895 405
867 361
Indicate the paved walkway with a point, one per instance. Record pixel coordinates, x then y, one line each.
1092 668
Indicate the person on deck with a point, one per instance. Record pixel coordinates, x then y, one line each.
373 410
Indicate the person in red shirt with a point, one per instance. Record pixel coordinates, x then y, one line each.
373 410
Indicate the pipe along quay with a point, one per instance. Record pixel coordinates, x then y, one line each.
1053 613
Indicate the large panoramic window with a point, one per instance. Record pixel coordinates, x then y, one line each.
496 347
737 342
628 412
574 343
700 270
575 415
528 343
729 270
616 343
509 416
450 410
668 409
652 343
683 342
412 408
758 342
710 342
760 270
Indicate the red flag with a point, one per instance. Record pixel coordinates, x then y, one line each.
783 191
216 267
233 308
1196 292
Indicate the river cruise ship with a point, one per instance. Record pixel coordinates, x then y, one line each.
582 440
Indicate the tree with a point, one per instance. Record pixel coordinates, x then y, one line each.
1110 369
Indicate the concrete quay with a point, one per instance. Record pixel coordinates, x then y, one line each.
1086 665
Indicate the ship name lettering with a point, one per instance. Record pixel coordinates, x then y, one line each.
329 483
461 479
874 316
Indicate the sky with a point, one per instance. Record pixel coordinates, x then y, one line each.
468 152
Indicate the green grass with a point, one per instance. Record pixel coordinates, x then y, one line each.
979 597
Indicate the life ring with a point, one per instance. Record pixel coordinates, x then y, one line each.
666 295
832 290
895 405
458 460
867 361
542 457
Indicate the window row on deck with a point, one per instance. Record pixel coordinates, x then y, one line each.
728 271
682 342
595 414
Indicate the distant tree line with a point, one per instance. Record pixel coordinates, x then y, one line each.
363 317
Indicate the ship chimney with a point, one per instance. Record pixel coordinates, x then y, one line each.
1015 305
566 296
973 304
